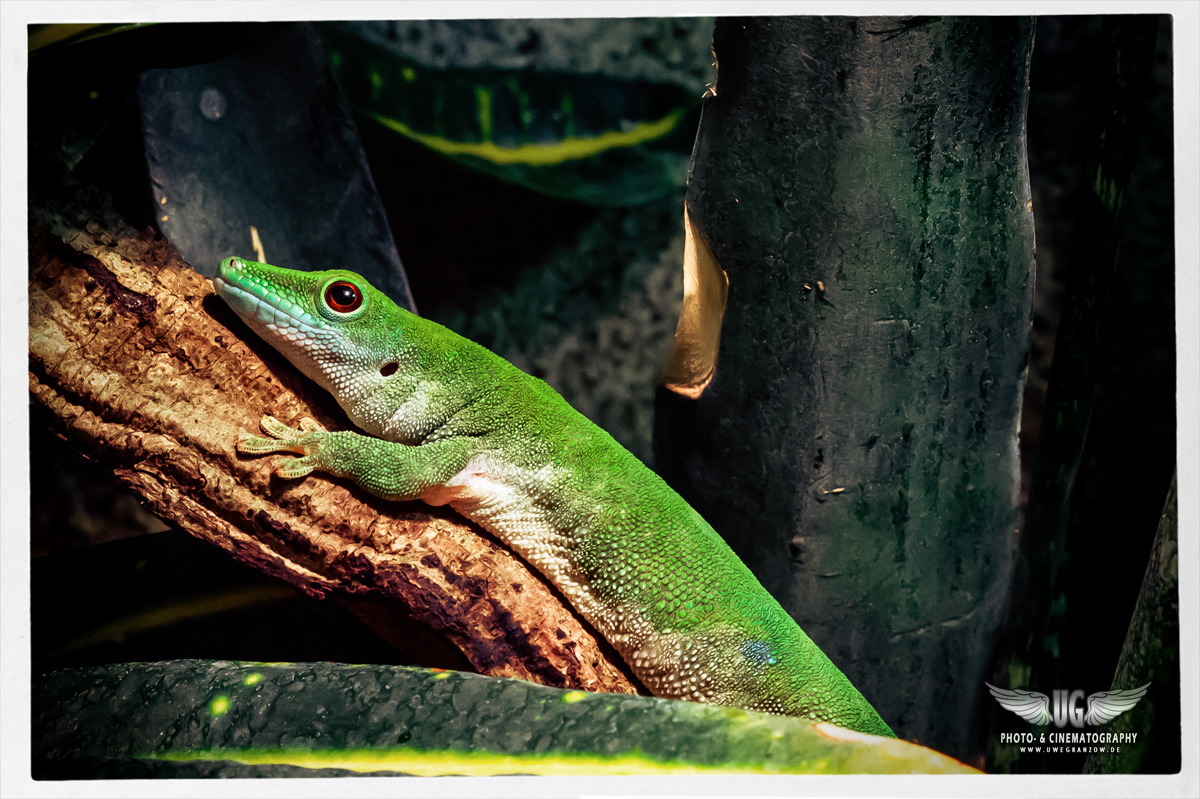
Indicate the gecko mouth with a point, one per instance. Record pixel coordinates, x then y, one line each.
259 306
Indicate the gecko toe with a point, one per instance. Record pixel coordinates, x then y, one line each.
257 445
297 467
278 429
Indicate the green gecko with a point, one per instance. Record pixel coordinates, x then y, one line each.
449 422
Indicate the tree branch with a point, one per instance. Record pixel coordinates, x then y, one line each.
135 361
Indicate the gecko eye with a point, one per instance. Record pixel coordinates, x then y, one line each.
343 296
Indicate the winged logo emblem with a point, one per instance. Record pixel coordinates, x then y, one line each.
1029 705
1034 707
1107 705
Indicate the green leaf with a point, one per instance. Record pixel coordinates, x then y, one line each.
585 138
217 718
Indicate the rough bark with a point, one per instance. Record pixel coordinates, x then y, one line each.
1151 655
863 183
134 360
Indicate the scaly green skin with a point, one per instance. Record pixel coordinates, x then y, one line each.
449 422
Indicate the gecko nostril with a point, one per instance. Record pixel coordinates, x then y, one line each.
389 369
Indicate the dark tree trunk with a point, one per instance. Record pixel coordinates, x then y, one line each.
1062 556
1151 655
863 183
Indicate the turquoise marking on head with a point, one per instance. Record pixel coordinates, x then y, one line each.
396 375
333 325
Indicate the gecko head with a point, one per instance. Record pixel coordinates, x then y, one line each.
334 326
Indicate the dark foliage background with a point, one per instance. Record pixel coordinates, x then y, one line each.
585 298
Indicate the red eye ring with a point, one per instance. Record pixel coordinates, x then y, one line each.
343 296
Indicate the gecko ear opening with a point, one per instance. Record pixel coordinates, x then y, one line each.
389 369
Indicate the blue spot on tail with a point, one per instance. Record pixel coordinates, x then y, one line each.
759 653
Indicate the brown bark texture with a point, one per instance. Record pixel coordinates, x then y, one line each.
133 359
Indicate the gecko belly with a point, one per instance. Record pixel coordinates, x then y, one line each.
504 500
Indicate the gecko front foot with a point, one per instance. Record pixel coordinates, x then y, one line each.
305 441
